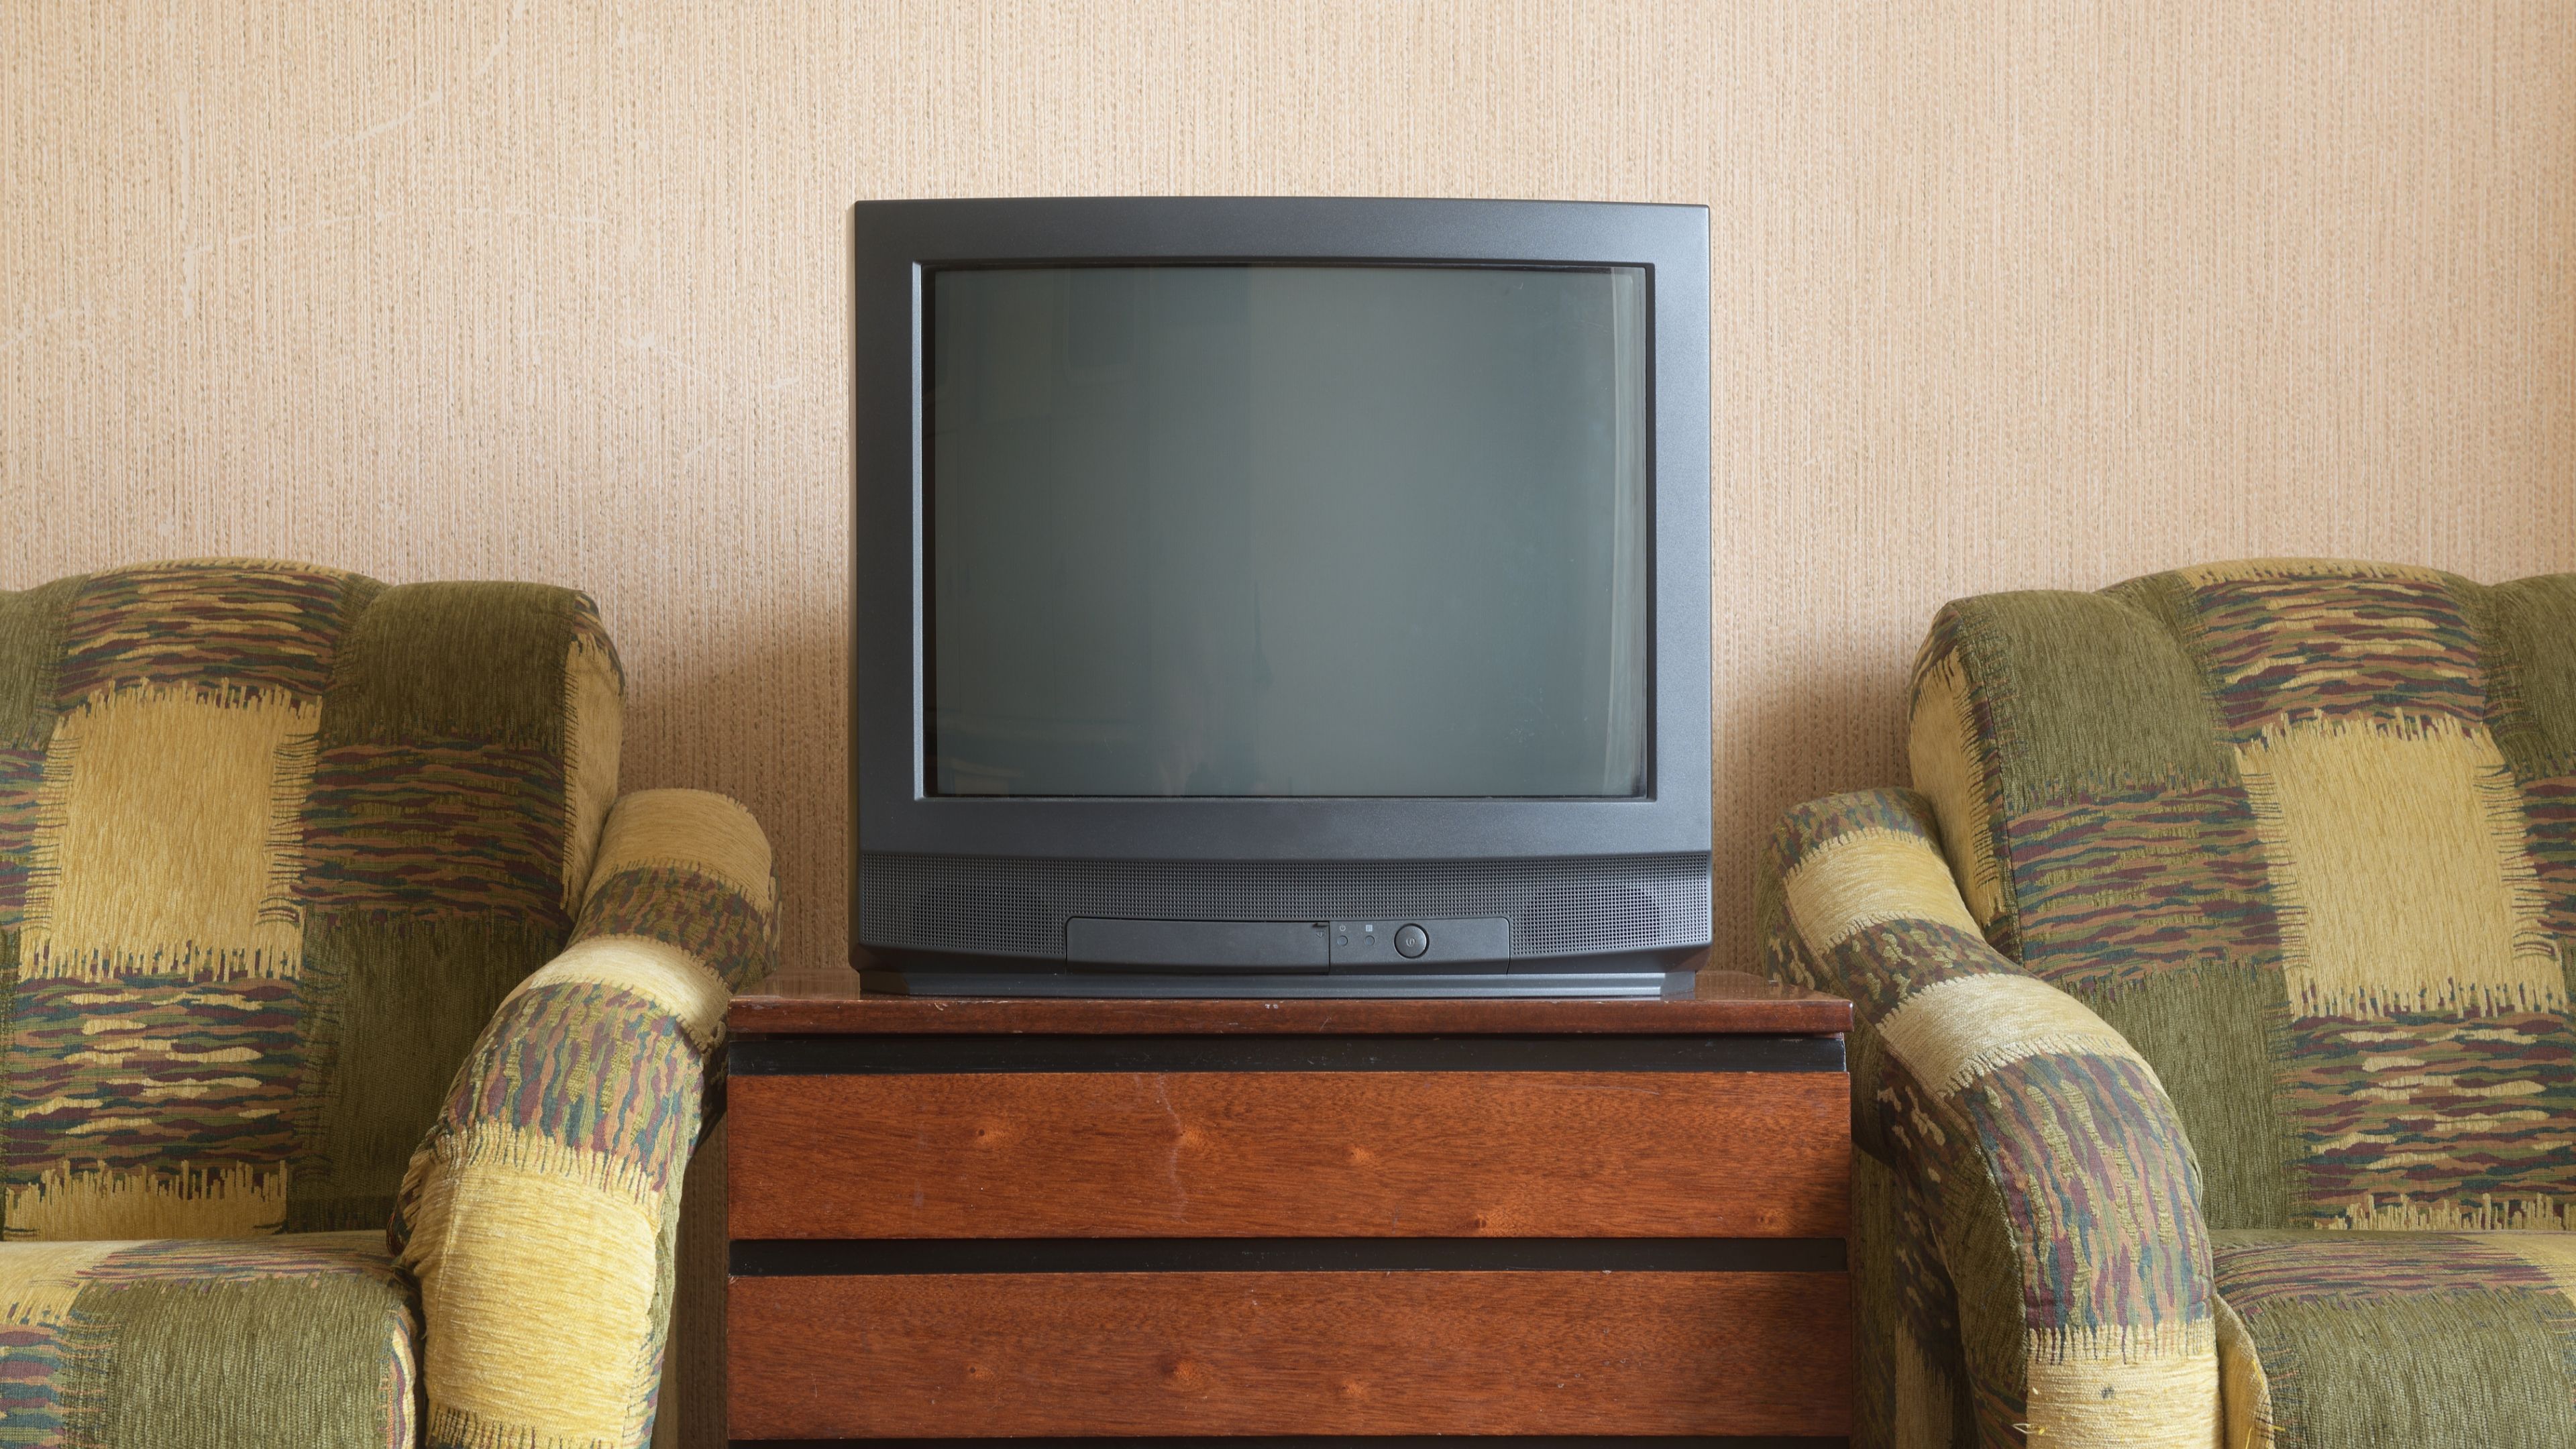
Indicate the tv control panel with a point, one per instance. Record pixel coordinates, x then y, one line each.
1426 943
1407 944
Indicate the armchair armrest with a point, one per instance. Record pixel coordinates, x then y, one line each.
2055 1255
540 1212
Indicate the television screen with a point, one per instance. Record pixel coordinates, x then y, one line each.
1287 530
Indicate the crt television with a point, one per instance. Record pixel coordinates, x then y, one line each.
1280 597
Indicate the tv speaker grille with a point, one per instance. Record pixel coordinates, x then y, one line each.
1019 907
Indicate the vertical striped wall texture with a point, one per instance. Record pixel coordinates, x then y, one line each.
2006 295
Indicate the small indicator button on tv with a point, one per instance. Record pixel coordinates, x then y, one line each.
1425 943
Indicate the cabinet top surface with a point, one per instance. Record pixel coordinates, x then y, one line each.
830 1003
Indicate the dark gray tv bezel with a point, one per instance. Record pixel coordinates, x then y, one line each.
893 242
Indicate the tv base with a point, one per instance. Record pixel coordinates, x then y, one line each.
1559 985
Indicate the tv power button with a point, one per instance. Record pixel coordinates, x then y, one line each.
1412 941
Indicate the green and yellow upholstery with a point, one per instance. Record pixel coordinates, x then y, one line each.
2215 1079
318 910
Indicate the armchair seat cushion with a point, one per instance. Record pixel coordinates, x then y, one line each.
305 1339
2424 1340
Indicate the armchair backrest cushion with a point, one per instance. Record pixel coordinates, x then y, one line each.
274 842
2305 832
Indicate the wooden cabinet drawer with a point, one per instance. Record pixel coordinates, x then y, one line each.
1007 1354
1290 1153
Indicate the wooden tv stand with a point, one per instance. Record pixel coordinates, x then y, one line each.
974 1219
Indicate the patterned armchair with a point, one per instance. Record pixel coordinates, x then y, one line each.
2215 1080
318 910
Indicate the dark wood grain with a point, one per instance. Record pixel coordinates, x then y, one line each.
1726 1001
1290 1154
1290 1353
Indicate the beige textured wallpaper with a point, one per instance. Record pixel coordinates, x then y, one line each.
2007 294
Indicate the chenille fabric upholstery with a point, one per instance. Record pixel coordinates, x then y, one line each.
2214 1079
304 1338
318 911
